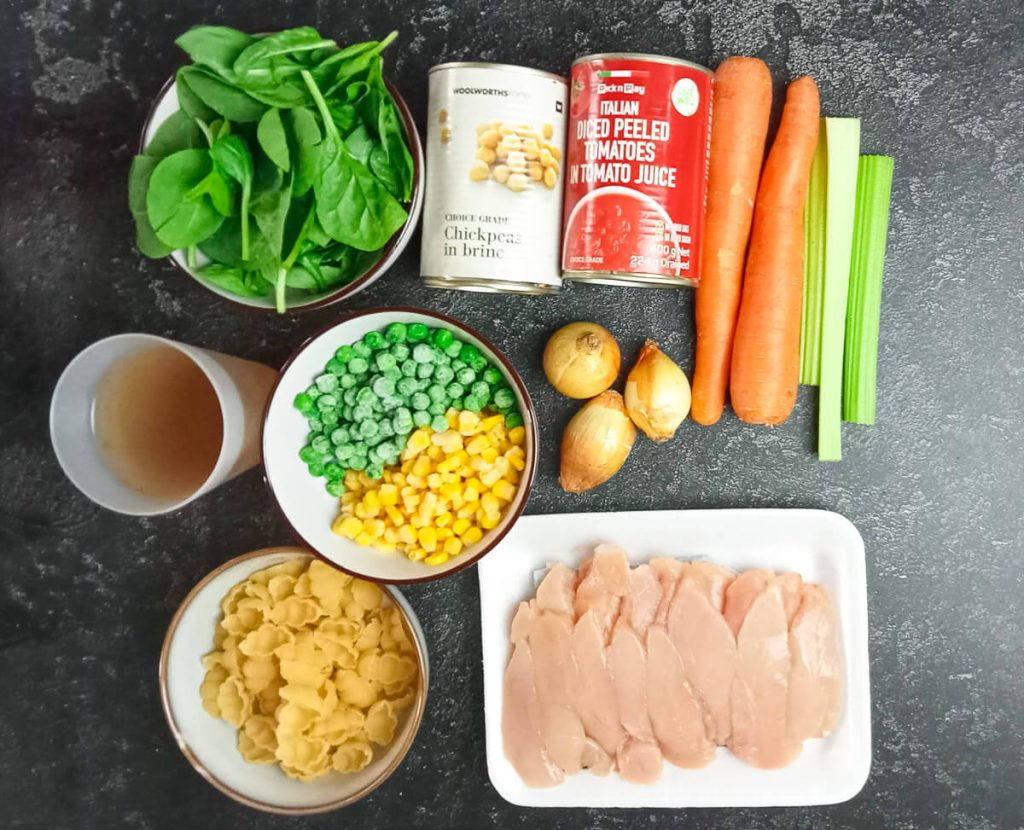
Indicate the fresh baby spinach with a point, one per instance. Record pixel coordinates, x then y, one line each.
181 216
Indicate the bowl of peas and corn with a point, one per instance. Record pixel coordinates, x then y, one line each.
399 444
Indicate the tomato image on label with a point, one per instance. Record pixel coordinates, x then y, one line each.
636 170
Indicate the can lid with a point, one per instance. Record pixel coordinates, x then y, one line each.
498 67
638 56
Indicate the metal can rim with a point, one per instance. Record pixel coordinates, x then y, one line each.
504 67
640 56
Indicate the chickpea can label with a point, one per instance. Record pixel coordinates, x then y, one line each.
636 170
493 201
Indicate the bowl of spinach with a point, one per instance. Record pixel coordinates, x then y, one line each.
280 171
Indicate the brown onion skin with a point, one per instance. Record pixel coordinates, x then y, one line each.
596 443
593 360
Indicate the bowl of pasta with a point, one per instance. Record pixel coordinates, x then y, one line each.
291 686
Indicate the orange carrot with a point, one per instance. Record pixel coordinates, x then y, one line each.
766 349
739 124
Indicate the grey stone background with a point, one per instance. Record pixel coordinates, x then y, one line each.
935 487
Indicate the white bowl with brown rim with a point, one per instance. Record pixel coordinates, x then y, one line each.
210 744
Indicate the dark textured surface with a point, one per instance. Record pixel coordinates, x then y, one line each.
935 488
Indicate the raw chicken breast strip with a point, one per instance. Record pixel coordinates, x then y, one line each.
675 714
520 723
641 603
713 580
555 677
667 572
816 676
604 581
760 689
594 698
556 590
708 651
740 595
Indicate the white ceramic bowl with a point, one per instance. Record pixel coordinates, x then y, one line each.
307 506
210 745
166 104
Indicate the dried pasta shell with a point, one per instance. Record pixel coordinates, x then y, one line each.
260 730
265 640
252 752
234 701
366 594
369 637
302 753
306 673
352 756
215 675
302 586
381 722
327 584
295 612
242 621
291 567
258 673
343 723
281 586
355 690
292 719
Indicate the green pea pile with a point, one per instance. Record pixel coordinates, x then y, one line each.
373 393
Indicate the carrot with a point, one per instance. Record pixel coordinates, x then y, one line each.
766 349
739 124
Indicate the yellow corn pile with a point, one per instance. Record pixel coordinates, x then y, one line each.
450 489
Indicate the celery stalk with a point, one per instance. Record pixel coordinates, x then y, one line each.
843 138
870 226
814 264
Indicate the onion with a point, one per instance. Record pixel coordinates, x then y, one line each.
581 360
657 393
595 443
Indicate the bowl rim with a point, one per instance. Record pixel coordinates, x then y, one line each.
390 253
416 713
529 471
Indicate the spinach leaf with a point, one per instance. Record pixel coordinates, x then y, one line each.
191 103
178 132
360 143
225 246
276 89
289 41
303 138
217 47
396 156
236 280
273 141
222 97
299 277
352 205
342 115
232 157
180 221
138 184
217 188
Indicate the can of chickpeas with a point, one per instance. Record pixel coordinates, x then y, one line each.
493 201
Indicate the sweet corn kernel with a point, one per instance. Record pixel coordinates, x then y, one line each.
489 477
396 516
391 534
444 519
438 558
444 533
421 468
418 521
460 526
406 534
517 435
428 539
364 539
477 445
418 441
490 521
468 423
489 503
471 492
453 546
450 490
434 481
472 536
416 554
490 422
490 455
466 511
388 494
360 511
350 526
435 453
516 458
504 490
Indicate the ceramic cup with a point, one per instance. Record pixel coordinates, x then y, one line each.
241 386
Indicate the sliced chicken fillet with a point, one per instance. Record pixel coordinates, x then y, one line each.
740 595
675 714
604 581
641 603
708 651
790 585
555 678
667 572
595 700
712 579
520 724
556 590
595 759
816 676
760 690
627 659
522 622
639 761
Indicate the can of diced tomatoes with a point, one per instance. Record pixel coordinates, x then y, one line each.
492 208
636 170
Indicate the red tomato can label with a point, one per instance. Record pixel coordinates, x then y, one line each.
636 170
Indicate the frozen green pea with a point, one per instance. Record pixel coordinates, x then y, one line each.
442 338
384 360
393 373
466 376
358 365
326 401
455 390
315 425
422 353
321 444
441 359
361 349
333 471
366 396
437 409
347 381
421 417
360 412
390 403
374 471
373 339
481 391
314 391
330 417
457 365
386 428
409 368
513 419
468 353
343 452
339 436
357 463
417 332
503 398
327 382
424 370
395 333
439 423
304 403
492 376
386 448
472 403
383 388
400 352
436 393
444 374
344 354
335 367
406 386
454 348
420 400
316 469
308 454
373 456
335 488
350 395
368 428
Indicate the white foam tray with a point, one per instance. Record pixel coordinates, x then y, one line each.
823 547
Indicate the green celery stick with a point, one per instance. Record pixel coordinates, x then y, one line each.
814 264
870 226
843 138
